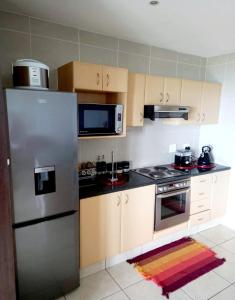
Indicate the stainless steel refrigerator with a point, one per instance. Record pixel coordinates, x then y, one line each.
43 161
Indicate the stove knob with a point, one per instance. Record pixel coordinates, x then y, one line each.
177 185
160 189
165 188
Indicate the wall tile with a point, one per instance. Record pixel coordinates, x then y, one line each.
215 60
203 61
203 73
99 40
98 55
134 63
231 57
163 53
190 59
53 53
14 22
132 47
13 45
215 73
162 67
53 30
188 71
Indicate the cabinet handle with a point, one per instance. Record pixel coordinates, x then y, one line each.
199 117
200 206
200 219
202 180
162 97
98 78
108 79
215 178
200 194
203 117
167 97
119 200
127 199
141 116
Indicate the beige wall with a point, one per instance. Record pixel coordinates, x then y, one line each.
54 44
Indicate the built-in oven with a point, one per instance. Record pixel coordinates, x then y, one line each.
172 205
100 119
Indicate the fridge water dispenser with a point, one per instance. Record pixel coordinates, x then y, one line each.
44 178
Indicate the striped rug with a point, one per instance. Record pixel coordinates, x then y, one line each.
176 264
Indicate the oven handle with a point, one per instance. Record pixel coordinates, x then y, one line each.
173 193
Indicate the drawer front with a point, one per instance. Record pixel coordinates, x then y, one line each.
199 206
200 188
200 218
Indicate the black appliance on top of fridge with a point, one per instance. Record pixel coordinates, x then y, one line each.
43 160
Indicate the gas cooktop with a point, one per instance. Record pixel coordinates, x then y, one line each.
162 173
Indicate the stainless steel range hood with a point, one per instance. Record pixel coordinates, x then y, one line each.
153 112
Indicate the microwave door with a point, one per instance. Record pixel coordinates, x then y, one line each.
96 119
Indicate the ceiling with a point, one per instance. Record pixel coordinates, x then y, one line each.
200 27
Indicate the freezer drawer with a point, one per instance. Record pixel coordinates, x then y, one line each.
47 258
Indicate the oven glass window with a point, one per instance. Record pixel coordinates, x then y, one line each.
96 118
173 205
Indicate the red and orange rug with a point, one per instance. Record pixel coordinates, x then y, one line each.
176 264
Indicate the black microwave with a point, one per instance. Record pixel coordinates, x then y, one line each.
100 119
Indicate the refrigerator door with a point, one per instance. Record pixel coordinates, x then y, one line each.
47 258
43 147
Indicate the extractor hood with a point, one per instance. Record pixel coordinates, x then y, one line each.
153 112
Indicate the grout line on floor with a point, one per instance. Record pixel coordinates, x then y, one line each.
186 293
220 292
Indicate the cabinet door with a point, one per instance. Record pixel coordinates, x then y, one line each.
99 228
172 89
154 90
137 217
191 95
115 79
210 102
87 76
220 193
135 99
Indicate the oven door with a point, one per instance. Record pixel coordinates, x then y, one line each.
96 119
172 208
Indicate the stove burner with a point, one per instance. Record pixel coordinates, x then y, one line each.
160 168
144 170
157 174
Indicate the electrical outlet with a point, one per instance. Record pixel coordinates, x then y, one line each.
172 148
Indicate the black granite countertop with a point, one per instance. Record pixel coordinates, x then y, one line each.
133 180
98 187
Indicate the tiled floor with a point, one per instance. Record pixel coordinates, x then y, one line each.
122 282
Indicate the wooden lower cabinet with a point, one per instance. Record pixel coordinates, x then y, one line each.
219 194
99 228
115 222
137 218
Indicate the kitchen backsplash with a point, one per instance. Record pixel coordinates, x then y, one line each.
54 44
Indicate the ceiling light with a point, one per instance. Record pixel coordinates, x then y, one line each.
153 2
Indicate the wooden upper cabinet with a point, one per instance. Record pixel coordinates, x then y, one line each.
92 77
220 183
191 95
210 102
154 90
172 89
137 218
87 76
115 79
135 99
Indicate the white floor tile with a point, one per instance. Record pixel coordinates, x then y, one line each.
227 294
205 286
117 296
147 290
227 270
125 274
218 234
229 246
94 287
200 238
92 269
